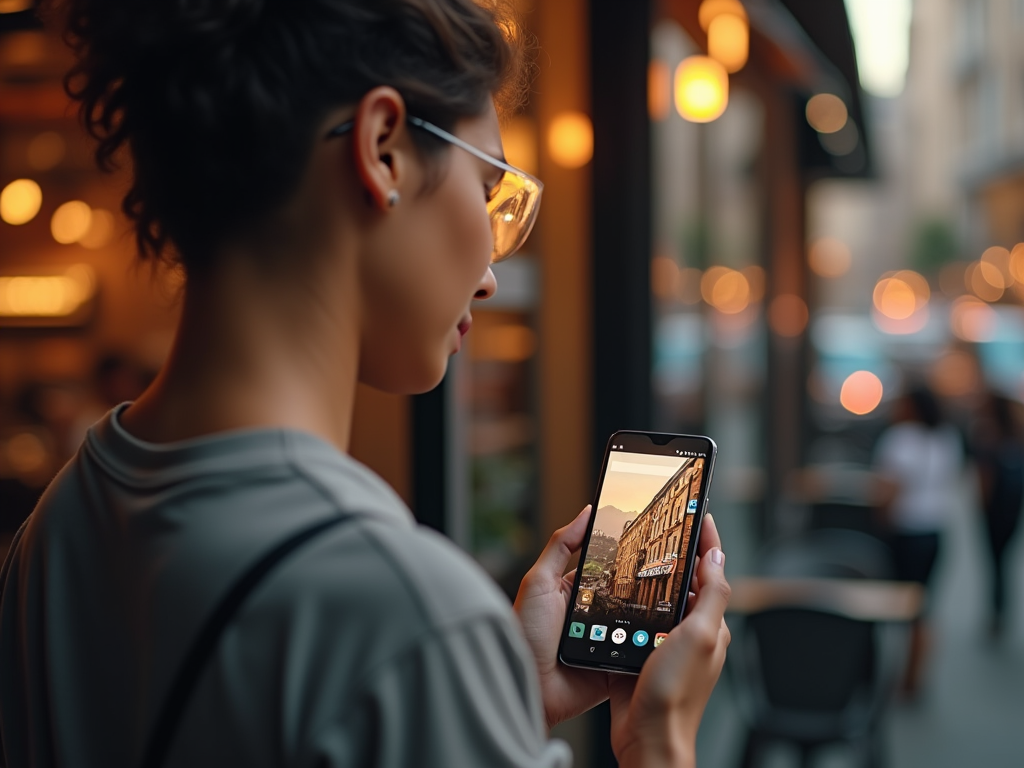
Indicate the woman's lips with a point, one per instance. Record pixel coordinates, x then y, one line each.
464 327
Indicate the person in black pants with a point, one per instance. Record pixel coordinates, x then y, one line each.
999 454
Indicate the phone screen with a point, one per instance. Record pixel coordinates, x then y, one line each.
632 582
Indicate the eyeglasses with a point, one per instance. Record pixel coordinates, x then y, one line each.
514 202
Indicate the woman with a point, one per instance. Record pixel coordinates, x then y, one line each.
919 459
324 172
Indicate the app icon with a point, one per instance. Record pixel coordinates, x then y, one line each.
640 638
619 636
660 638
692 506
586 596
598 631
576 629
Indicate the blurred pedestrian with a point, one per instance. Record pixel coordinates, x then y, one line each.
999 454
329 176
919 458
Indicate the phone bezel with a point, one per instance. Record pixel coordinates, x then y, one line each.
659 438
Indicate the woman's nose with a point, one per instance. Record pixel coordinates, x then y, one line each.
488 285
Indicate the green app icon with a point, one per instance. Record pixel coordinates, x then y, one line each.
576 629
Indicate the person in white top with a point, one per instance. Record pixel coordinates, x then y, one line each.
919 458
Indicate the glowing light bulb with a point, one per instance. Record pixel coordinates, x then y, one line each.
701 89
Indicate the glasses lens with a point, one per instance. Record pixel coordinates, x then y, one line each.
513 211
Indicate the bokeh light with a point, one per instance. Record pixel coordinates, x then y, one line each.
14 6
665 278
971 319
20 201
788 315
101 229
505 343
70 222
730 292
898 295
571 139
826 113
843 141
984 281
829 257
1017 263
46 295
711 9
46 151
861 392
519 141
729 41
701 89
659 89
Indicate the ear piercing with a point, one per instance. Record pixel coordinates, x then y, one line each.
393 198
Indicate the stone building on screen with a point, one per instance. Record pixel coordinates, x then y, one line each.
647 563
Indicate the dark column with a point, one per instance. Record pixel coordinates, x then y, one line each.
620 43
785 401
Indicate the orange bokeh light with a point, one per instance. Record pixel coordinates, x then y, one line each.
829 257
729 41
725 289
971 319
1017 262
861 393
665 277
826 113
898 295
979 278
571 139
711 9
659 90
788 315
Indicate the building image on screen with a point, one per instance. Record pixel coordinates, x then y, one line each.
634 566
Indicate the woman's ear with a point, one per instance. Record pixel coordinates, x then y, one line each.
380 145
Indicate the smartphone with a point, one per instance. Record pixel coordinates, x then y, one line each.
637 560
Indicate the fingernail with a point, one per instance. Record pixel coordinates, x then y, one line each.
717 556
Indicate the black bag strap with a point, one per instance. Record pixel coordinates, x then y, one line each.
206 641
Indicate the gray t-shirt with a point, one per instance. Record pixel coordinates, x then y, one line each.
377 644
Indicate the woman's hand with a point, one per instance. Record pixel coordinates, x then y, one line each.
659 712
655 716
541 604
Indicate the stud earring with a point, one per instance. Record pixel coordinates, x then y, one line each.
393 198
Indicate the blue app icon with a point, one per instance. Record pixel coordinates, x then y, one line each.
692 506
598 632
640 638
577 629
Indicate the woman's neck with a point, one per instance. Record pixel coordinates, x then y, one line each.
253 351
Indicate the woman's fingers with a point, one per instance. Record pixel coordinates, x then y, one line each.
709 538
563 544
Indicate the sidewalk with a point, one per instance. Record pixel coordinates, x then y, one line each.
971 711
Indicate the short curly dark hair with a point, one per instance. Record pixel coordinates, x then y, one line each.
217 101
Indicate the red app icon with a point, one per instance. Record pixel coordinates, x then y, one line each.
659 638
